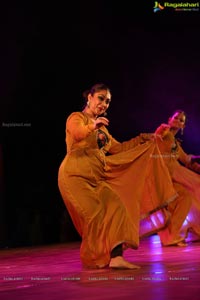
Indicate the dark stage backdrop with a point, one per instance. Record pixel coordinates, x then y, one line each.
50 53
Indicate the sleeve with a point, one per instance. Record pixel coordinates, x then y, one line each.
194 167
162 130
78 127
117 147
194 164
183 157
186 160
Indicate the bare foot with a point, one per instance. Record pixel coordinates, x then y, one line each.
119 262
182 244
177 242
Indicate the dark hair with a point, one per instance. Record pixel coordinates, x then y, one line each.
180 111
95 88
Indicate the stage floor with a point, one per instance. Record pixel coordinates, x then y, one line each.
55 272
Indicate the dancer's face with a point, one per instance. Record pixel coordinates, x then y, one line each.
177 120
99 102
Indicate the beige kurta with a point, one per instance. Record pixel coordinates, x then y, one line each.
104 194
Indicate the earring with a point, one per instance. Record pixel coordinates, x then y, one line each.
88 103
